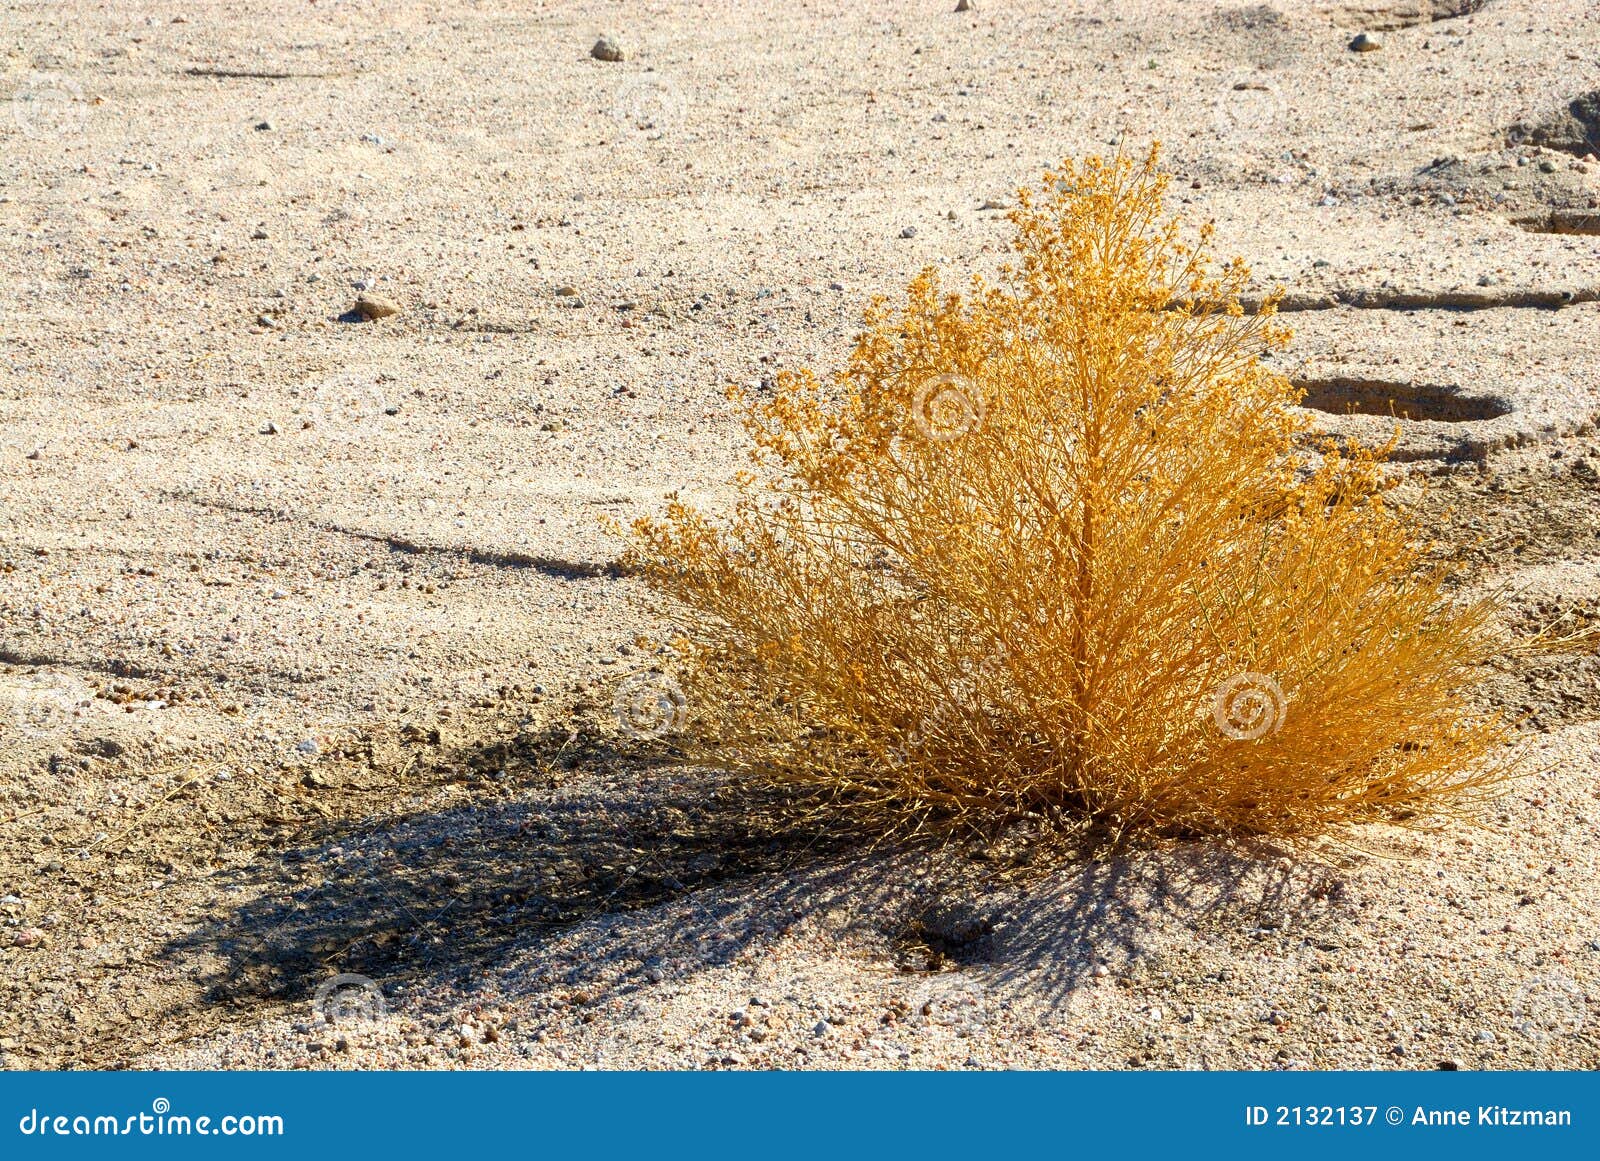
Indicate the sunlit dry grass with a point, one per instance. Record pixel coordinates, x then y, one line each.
1059 548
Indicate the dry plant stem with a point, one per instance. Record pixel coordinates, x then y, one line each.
1054 549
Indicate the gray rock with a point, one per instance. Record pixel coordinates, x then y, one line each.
608 48
1365 42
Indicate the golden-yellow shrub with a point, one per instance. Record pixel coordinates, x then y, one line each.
1060 548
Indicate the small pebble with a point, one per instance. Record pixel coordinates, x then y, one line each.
1365 42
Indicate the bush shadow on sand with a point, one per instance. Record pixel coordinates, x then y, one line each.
608 868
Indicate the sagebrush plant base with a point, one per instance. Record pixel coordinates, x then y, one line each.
1062 548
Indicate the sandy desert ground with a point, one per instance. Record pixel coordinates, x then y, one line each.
309 627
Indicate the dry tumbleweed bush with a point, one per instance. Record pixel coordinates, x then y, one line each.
1060 549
